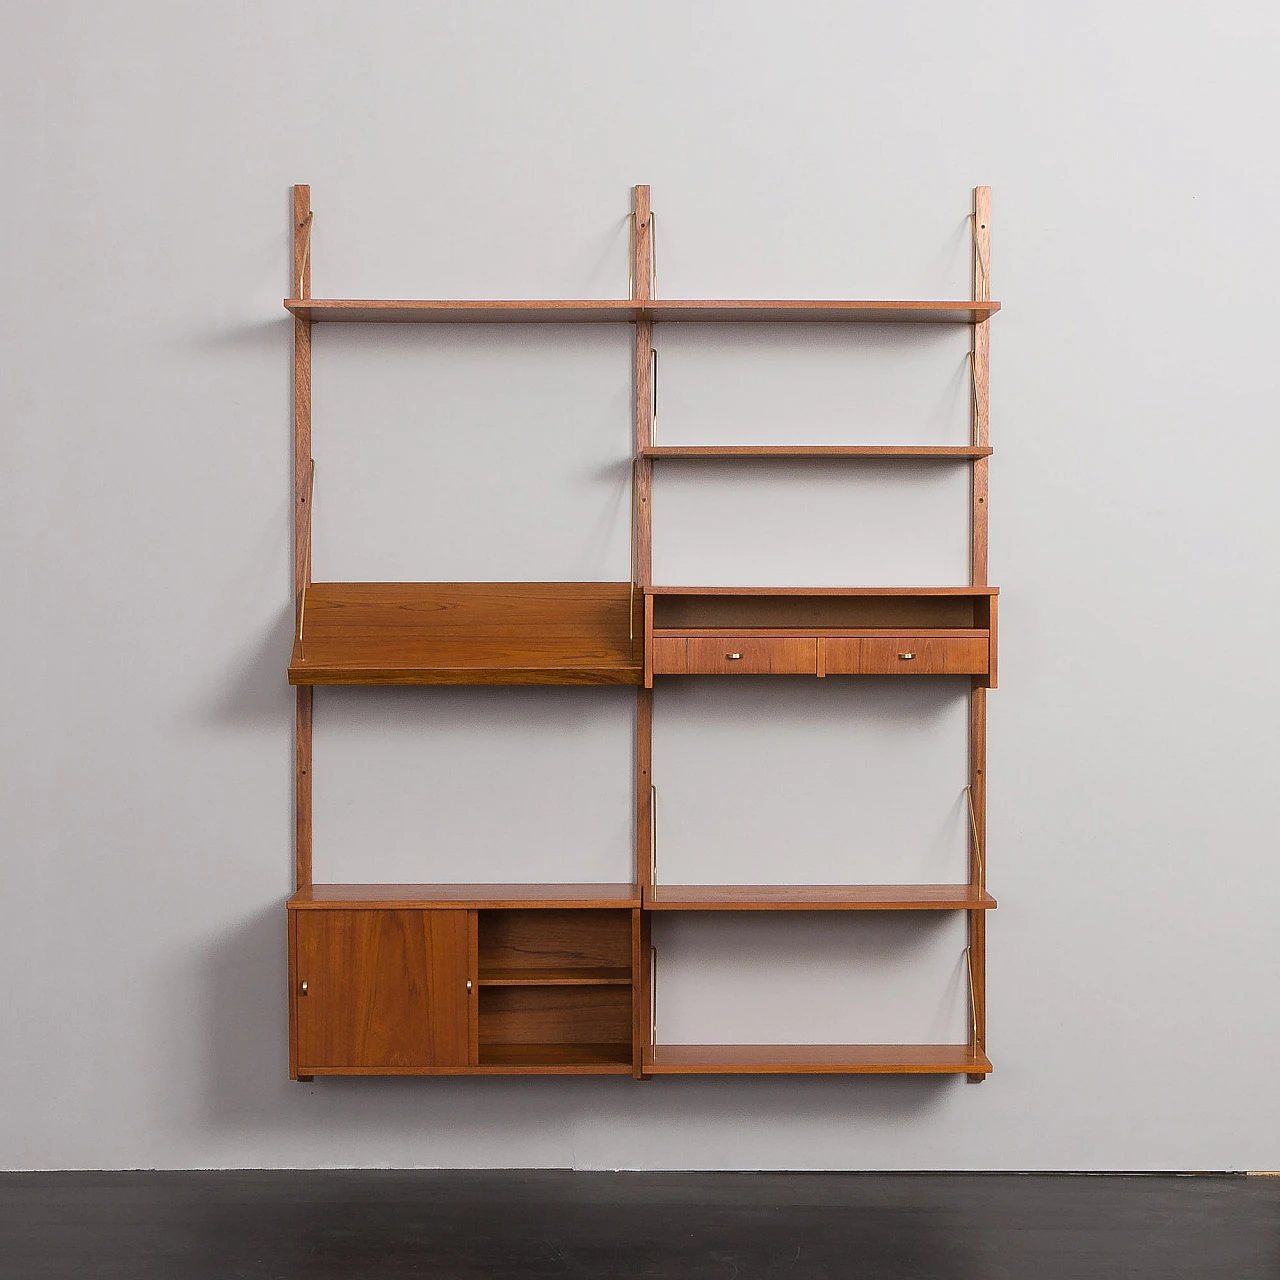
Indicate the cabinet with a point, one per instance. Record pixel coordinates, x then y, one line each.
560 978
389 990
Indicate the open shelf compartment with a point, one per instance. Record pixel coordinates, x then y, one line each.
555 989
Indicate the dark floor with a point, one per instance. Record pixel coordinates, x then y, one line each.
730 1226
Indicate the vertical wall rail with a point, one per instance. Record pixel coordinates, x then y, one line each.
302 465
641 276
644 791
641 270
978 573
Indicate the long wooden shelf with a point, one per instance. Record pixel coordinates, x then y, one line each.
422 311
613 311
779 311
888 451
562 977
817 1059
817 897
822 591
336 897
469 633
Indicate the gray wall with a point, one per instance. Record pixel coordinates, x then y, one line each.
487 150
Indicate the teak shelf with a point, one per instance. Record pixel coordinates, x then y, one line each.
591 311
468 633
559 979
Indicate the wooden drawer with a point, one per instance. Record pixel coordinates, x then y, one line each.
906 656
735 656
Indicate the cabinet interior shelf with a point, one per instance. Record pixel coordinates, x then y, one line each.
398 633
609 977
557 1059
818 897
622 311
481 897
888 451
821 1059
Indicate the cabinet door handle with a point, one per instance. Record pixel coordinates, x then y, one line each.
906 657
468 986
733 657
302 989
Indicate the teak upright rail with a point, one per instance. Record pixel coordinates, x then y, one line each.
556 979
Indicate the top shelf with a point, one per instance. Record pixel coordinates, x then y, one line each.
597 311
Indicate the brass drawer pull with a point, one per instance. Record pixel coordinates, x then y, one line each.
906 657
733 657
302 989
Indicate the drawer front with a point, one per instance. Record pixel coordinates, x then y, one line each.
744 656
906 656
670 656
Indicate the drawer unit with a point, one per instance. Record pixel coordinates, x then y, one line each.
735 655
907 655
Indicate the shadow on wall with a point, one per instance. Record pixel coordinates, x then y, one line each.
254 691
440 1122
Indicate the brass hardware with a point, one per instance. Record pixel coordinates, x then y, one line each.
653 996
979 262
306 254
631 256
653 417
306 582
973 396
302 989
631 600
653 833
906 657
653 255
977 844
468 986
733 657
973 1000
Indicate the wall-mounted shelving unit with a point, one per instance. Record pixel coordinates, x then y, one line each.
509 979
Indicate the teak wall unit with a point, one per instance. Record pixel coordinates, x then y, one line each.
500 979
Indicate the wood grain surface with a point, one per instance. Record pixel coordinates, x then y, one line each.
470 633
383 989
335 897
826 1059
817 897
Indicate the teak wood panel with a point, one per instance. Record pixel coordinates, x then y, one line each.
731 655
470 633
555 940
383 988
338 897
554 1059
940 452
904 655
556 1015
614 311
828 1059
818 897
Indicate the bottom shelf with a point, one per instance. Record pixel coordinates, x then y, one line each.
558 1059
829 1059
